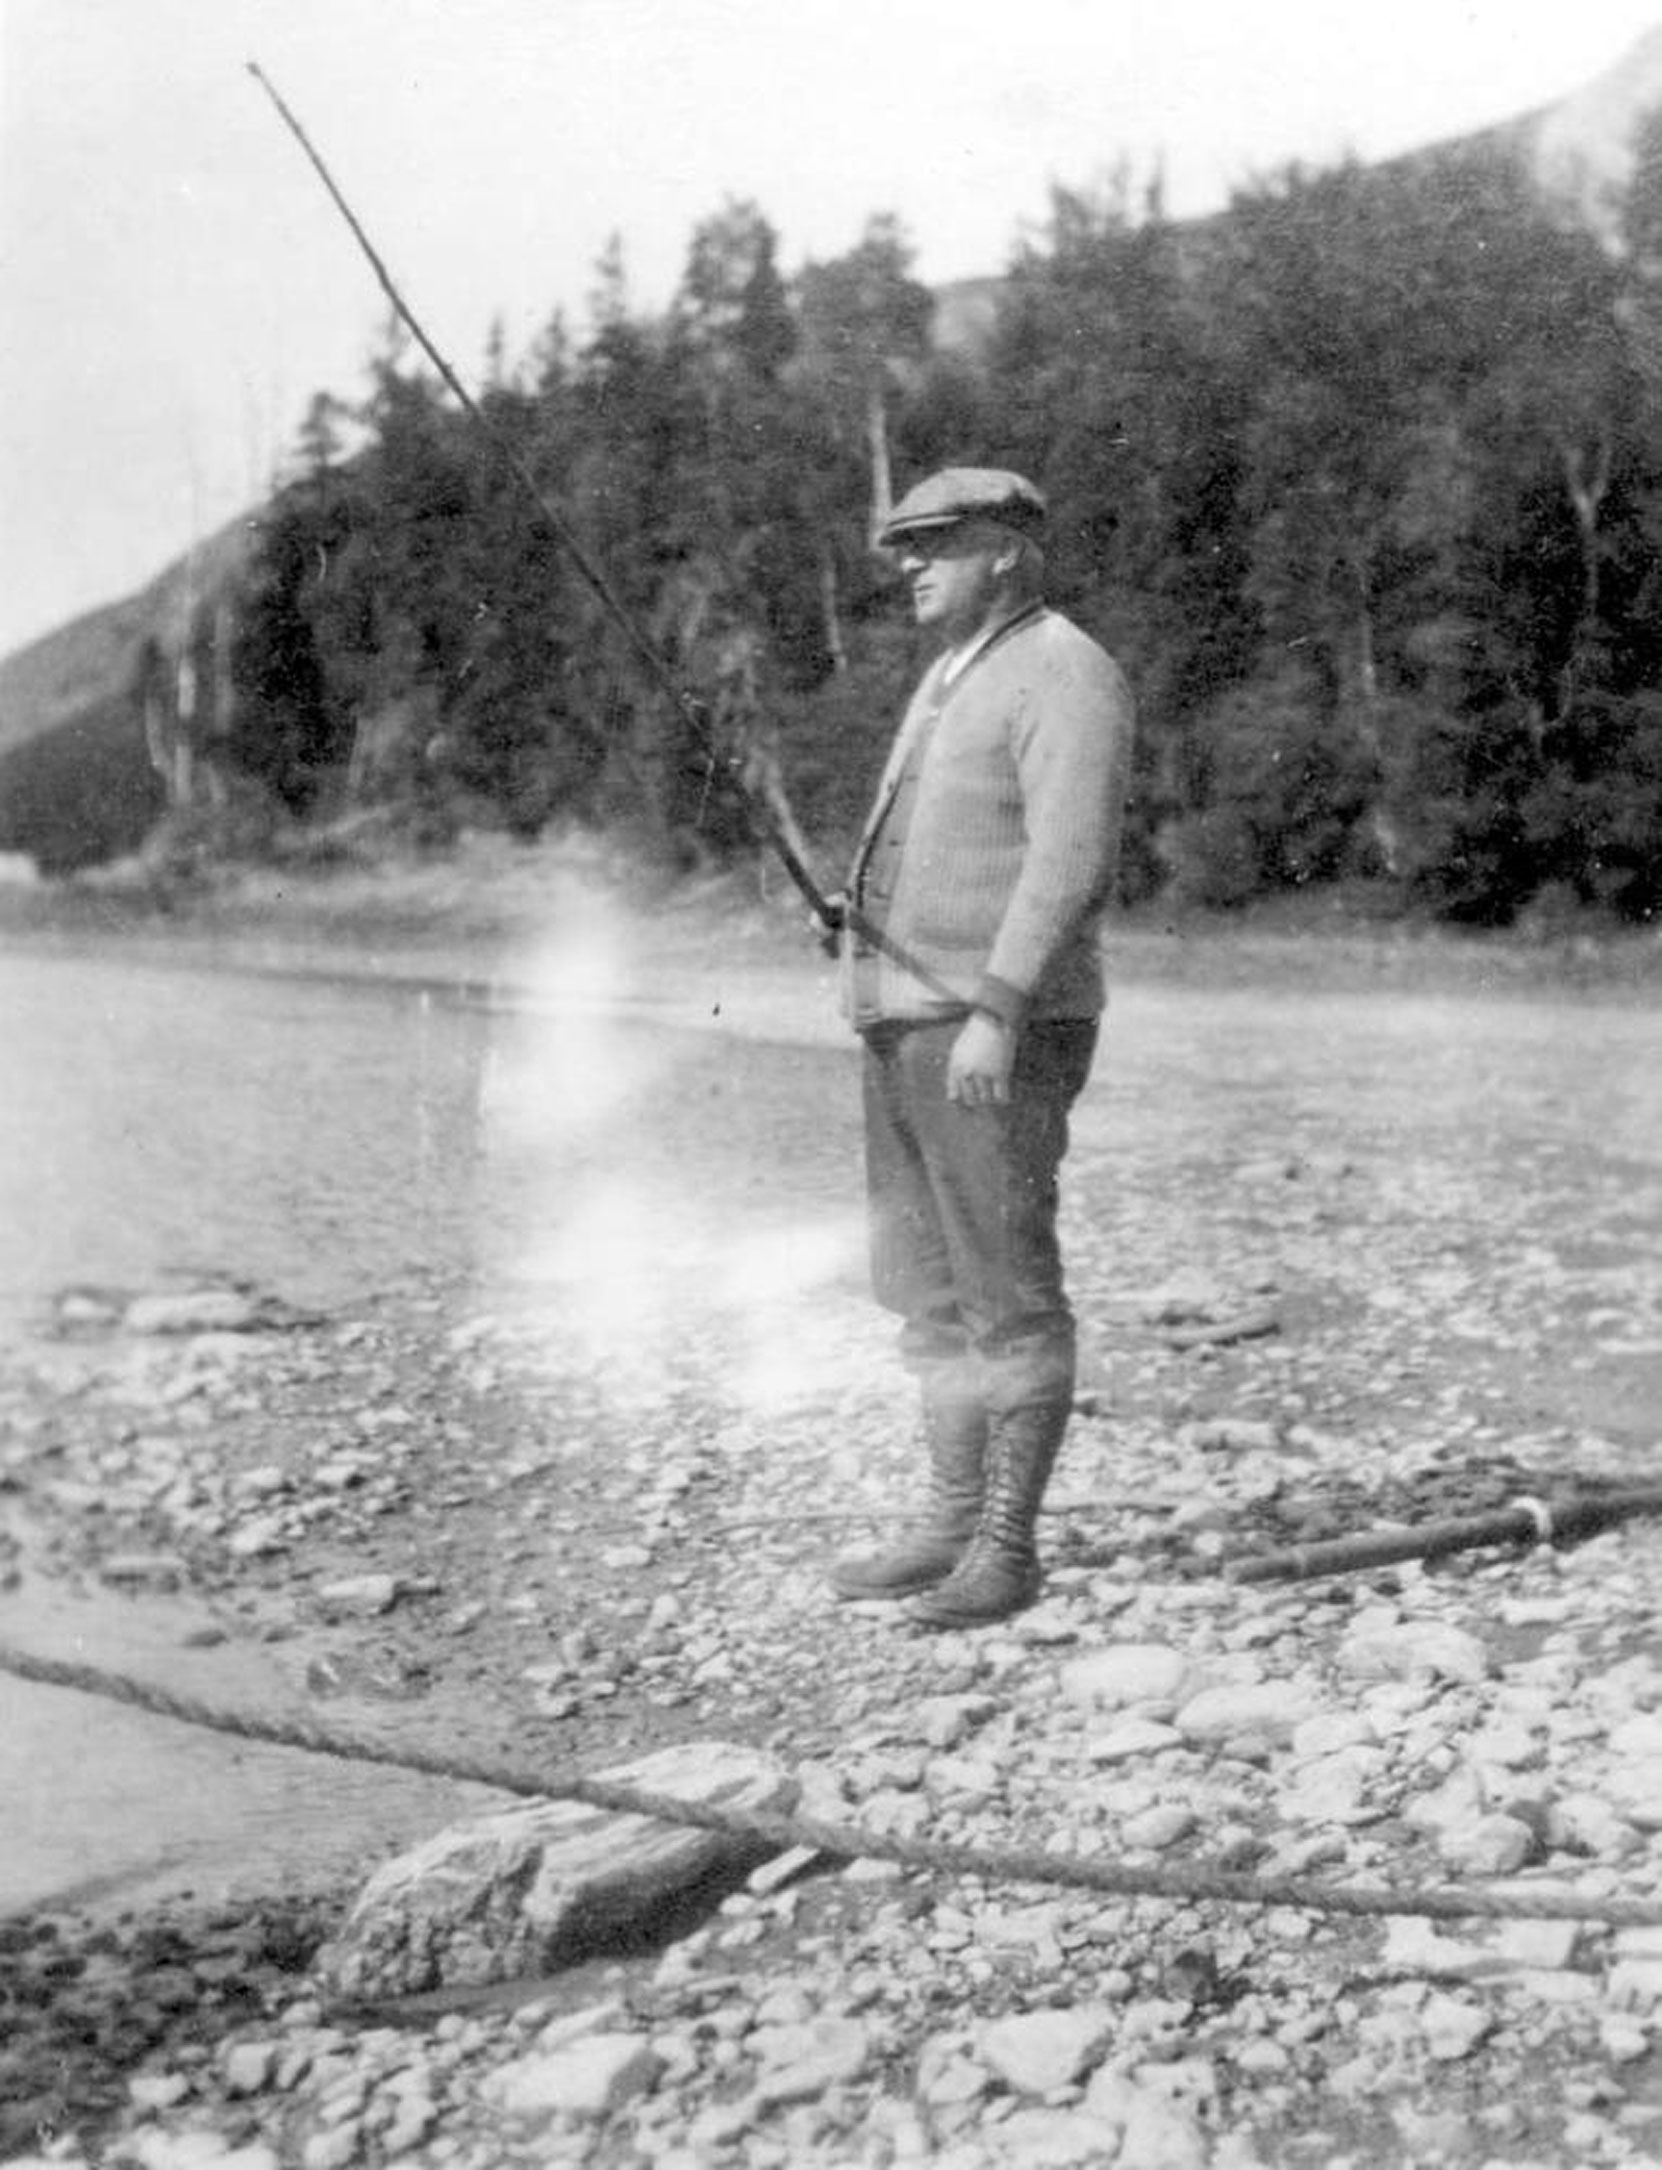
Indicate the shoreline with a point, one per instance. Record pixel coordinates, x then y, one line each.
484 911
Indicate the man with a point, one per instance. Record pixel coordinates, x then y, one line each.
971 970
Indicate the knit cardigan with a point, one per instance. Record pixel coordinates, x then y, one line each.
1018 775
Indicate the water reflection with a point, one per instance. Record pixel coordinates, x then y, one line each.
329 1141
155 1122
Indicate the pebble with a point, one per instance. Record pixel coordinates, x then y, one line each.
1154 2132
1154 1829
201 1311
1269 1713
259 1539
1333 1732
1124 1675
1586 1823
1400 1651
247 2067
1453 2027
802 2061
781 1869
1037 2052
587 2079
1132 1741
1623 2040
337 2149
359 1597
945 1722
145 1570
157 2090
1495 1845
1335 1789
1636 1984
195 2149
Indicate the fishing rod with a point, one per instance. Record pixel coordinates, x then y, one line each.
1573 1515
828 912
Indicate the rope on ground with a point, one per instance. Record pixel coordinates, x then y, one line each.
781 1833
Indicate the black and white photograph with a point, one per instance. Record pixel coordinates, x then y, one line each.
830 1085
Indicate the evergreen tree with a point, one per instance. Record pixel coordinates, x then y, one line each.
1361 479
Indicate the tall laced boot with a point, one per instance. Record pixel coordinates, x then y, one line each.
999 1573
955 1438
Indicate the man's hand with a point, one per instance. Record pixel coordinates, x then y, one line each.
827 924
978 1069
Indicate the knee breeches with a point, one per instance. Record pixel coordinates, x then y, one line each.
963 1205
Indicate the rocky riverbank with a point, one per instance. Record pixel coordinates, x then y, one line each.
470 1528
1492 1719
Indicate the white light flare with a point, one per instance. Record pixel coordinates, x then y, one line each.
644 1275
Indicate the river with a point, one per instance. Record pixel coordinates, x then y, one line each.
329 1137
166 1121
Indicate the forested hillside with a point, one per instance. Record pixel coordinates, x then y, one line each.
1361 480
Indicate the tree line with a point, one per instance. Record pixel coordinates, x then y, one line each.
1361 479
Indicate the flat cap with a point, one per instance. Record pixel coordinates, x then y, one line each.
965 493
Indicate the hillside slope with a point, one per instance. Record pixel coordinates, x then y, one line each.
91 659
77 782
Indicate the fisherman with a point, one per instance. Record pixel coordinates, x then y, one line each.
971 969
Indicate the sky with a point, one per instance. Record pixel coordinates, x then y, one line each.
175 285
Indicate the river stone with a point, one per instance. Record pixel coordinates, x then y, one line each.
1155 2132
1333 1789
586 2079
1639 1736
1414 1948
1411 1647
145 1570
945 1722
530 1888
359 1596
1033 2138
1153 1829
247 2067
1623 2040
1492 1845
1538 1943
152 2148
1125 1674
1636 1789
1508 1746
1131 1738
949 2073
413 2120
1268 1713
1453 2027
1586 1823
1332 1733
1036 2052
152 2092
803 2061
258 1539
83 1307
1461 1798
1635 1984
200 1311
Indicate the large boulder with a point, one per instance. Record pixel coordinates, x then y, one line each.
530 1888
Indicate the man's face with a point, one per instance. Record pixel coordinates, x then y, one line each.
953 574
